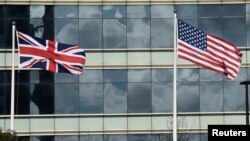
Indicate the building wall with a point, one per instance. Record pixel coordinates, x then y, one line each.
126 90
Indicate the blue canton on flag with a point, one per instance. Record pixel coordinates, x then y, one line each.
208 51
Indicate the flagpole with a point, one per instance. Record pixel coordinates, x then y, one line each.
12 78
174 81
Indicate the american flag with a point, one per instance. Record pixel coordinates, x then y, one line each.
208 51
49 55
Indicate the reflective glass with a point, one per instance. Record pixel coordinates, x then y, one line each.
248 29
139 98
139 75
204 136
42 138
2 34
115 98
162 33
115 75
66 138
188 74
91 76
211 96
66 11
17 11
162 97
186 10
207 75
114 33
211 25
93 40
41 11
230 10
42 28
23 138
46 77
2 77
116 11
237 26
66 98
162 137
2 99
188 97
162 75
90 11
64 28
115 138
2 9
139 137
138 11
162 11
138 33
209 10
91 98
42 99
66 78
188 136
234 97
91 138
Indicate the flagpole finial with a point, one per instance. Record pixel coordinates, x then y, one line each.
13 23
175 11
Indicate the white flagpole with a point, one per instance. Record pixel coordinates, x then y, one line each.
12 78
174 81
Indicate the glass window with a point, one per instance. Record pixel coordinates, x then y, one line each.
162 137
115 98
93 40
2 34
46 77
2 9
204 136
211 96
187 74
229 10
162 97
237 26
41 11
162 33
115 137
91 76
42 28
138 11
91 98
211 25
66 78
66 98
248 29
139 75
115 75
138 33
139 137
42 99
209 10
162 75
139 98
66 12
186 10
42 138
66 138
64 28
188 99
91 138
2 99
90 11
114 33
189 136
208 75
117 11
17 11
162 11
234 96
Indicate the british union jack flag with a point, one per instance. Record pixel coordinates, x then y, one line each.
49 55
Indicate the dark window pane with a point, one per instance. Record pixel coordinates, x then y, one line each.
93 40
234 30
66 98
114 33
162 33
2 99
209 10
188 74
90 11
91 76
17 11
66 31
162 75
91 138
115 98
66 138
42 28
211 96
2 33
42 138
162 11
188 136
139 138
188 99
234 97
229 10
42 99
91 98
186 10
2 11
66 11
162 137
139 75
138 11
115 75
23 138
162 97
138 33
66 78
115 137
116 11
211 25
139 98
41 11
